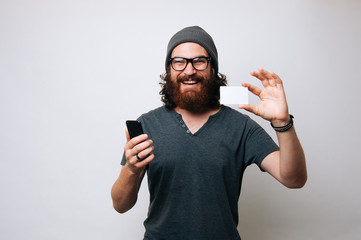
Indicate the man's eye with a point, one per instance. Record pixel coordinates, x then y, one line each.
199 60
178 61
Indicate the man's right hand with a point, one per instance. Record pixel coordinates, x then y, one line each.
138 152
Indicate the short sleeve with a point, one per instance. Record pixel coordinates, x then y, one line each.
259 144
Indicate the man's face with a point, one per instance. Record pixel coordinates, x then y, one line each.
192 89
188 76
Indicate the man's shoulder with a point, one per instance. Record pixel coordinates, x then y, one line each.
155 112
158 119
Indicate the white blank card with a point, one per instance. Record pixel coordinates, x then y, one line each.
234 95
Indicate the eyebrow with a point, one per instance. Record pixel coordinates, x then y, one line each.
192 57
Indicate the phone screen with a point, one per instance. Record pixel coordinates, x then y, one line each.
134 128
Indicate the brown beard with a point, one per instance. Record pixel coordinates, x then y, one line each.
195 101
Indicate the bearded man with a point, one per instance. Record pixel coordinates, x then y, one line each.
195 150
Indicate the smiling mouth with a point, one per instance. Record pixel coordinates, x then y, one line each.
190 82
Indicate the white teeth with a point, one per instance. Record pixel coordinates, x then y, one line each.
189 82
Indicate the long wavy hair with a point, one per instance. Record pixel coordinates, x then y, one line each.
167 95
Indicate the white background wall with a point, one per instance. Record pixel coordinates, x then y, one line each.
72 72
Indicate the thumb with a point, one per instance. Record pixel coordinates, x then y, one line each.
248 107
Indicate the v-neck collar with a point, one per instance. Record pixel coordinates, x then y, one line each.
184 126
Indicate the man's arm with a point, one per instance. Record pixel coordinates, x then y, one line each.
125 189
288 165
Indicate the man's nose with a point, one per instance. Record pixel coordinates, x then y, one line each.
189 70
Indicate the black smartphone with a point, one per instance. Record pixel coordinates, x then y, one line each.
134 128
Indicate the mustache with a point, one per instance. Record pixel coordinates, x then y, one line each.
183 78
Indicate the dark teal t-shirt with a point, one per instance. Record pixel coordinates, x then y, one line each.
195 179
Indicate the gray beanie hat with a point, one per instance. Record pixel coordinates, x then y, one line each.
193 34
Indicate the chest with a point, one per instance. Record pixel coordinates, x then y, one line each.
178 154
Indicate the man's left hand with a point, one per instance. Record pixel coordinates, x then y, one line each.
273 106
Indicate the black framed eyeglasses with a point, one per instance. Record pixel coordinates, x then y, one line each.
198 63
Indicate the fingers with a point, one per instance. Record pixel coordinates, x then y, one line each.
267 78
142 150
255 90
134 141
138 151
276 77
143 156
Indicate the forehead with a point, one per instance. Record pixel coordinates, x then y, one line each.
189 50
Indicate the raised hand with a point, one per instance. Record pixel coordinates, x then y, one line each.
273 105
